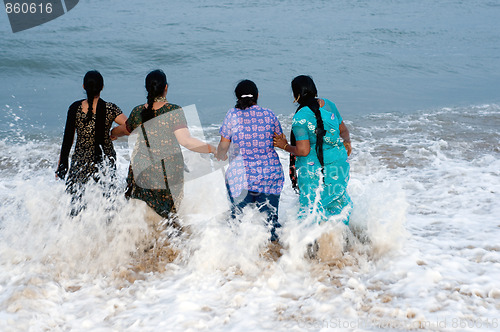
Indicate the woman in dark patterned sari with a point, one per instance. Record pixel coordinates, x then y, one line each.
91 119
156 173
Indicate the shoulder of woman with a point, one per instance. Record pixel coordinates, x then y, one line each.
304 112
330 103
170 106
266 109
76 104
112 105
272 114
232 111
139 108
136 110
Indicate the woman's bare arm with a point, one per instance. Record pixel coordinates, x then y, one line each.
223 148
301 149
189 142
344 133
121 130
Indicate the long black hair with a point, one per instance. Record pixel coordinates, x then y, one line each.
305 94
246 94
156 81
93 83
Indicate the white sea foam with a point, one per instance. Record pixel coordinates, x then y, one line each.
421 251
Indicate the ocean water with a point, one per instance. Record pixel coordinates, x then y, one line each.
369 56
417 85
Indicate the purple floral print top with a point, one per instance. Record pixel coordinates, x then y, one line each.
254 165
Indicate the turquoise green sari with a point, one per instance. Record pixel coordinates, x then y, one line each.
323 194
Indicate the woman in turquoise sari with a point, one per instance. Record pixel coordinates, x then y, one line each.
319 147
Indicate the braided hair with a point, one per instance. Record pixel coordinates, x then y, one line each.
156 81
305 93
93 83
247 93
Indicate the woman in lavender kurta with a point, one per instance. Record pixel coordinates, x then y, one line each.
254 176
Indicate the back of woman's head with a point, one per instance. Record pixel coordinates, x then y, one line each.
246 94
156 81
93 83
304 90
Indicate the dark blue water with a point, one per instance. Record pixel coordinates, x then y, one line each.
367 56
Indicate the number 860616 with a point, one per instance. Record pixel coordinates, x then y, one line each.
28 8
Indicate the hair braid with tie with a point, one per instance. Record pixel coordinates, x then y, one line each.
305 93
93 83
156 81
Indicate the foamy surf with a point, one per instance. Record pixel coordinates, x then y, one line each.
420 252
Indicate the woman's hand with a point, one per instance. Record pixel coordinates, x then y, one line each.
212 149
119 131
301 148
348 147
220 156
280 141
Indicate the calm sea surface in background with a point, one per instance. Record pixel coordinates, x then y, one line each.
418 85
367 56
